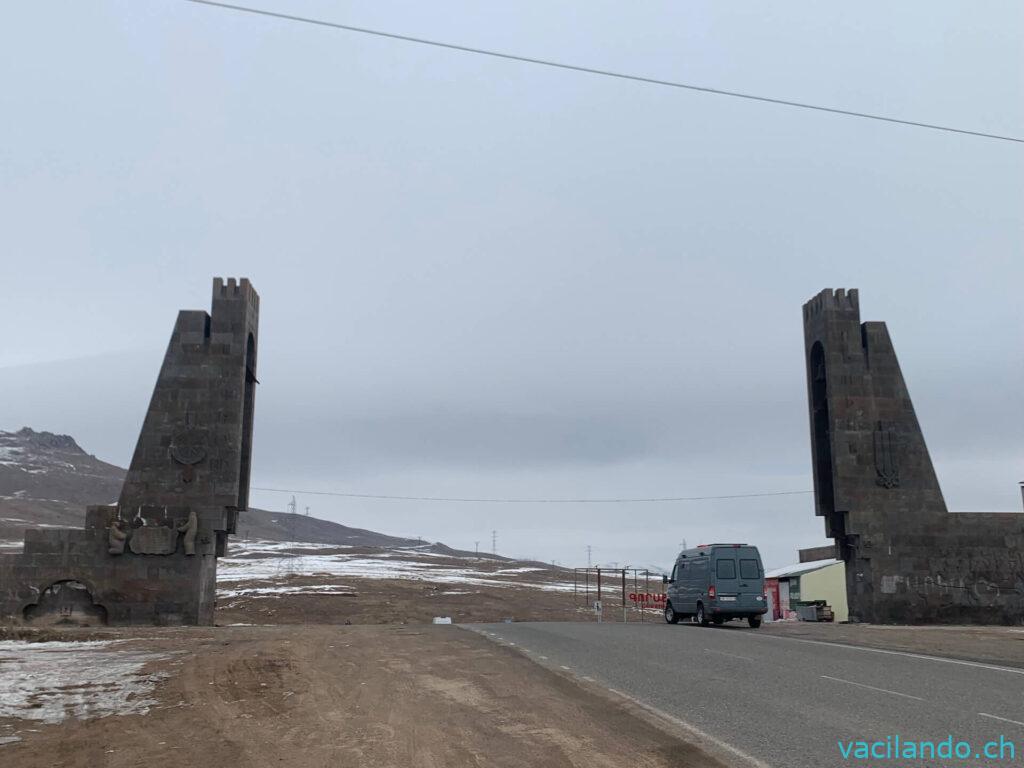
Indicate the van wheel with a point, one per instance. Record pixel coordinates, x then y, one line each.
754 621
701 617
671 617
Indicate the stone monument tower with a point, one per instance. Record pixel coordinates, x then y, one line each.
908 559
151 558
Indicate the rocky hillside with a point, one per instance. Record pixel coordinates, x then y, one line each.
283 526
47 480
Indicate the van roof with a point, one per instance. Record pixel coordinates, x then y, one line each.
709 549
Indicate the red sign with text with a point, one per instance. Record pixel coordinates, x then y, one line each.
647 599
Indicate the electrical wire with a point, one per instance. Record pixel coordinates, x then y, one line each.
532 501
604 72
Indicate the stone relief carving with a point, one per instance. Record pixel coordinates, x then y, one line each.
886 452
189 447
154 540
189 528
116 538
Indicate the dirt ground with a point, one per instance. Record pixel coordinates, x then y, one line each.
394 695
398 601
991 645
335 696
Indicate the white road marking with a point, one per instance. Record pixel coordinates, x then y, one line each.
733 655
872 688
961 662
1004 719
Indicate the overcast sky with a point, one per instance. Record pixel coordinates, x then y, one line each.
486 278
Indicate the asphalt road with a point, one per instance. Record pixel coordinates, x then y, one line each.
783 702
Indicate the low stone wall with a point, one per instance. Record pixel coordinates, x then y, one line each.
125 589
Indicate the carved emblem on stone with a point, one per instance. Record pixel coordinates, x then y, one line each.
887 465
154 540
189 447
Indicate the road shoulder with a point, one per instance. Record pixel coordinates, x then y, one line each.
348 696
1003 646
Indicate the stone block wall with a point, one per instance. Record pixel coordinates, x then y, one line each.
155 589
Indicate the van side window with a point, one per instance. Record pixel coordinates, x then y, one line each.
749 569
726 569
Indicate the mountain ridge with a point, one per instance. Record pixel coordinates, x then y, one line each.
48 479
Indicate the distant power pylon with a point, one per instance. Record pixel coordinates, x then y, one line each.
589 550
494 542
292 506
477 543
307 511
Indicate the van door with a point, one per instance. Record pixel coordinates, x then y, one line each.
726 578
680 591
750 587
675 590
696 582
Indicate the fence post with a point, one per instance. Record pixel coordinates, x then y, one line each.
624 619
642 602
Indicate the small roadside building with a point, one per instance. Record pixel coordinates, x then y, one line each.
803 583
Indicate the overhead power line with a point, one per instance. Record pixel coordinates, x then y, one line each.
602 72
533 501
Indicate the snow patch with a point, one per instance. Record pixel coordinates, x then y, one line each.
386 566
314 589
264 545
51 682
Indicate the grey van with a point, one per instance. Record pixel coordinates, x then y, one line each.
715 583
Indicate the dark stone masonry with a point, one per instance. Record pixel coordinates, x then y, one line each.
151 558
908 559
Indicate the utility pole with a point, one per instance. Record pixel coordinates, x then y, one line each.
494 542
477 543
307 511
684 543
589 549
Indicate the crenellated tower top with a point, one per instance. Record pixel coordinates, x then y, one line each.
840 300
